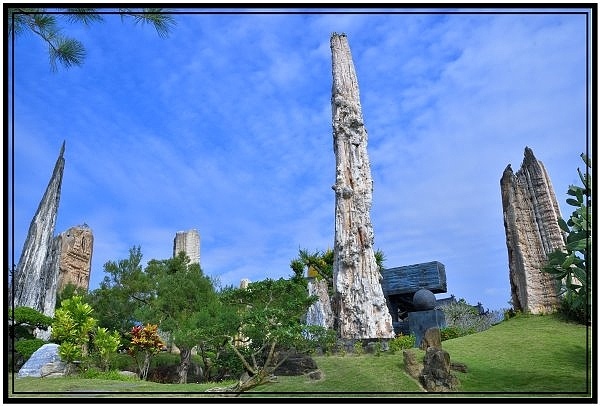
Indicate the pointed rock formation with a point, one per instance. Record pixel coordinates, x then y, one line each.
360 307
531 216
35 279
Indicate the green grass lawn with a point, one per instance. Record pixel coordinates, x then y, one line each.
522 357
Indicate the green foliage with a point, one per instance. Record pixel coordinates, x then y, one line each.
68 292
358 348
106 345
24 320
68 51
112 375
448 333
26 347
401 342
124 290
73 323
463 317
570 266
269 316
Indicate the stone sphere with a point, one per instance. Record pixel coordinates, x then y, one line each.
424 300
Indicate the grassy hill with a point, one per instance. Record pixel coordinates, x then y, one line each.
522 357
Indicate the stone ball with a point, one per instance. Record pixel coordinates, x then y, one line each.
424 299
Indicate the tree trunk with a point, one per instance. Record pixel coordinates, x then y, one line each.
185 356
361 309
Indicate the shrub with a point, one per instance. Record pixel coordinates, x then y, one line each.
401 342
448 333
467 319
27 347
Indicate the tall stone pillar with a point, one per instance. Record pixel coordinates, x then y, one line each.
35 279
359 304
188 242
531 215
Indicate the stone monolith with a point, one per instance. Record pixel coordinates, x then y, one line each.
531 215
35 278
360 307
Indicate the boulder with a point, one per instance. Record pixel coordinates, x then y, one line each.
431 338
43 361
436 375
296 364
411 365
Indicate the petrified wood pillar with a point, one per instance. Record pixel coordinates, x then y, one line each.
36 276
360 308
531 216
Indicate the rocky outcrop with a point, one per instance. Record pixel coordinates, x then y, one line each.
75 259
188 242
35 279
360 307
531 216
436 375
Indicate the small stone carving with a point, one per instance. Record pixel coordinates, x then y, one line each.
75 260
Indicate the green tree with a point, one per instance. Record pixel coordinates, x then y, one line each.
270 314
48 24
124 290
184 304
571 266
22 322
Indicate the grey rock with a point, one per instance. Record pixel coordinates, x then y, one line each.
46 354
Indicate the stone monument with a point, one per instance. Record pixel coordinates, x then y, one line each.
360 307
75 259
35 279
188 242
531 216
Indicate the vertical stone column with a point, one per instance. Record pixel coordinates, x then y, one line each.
531 215
35 279
75 261
360 307
188 242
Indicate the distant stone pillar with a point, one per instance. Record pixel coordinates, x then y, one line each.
35 279
188 242
360 307
531 215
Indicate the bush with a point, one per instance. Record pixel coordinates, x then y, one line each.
28 346
467 319
401 342
94 373
448 333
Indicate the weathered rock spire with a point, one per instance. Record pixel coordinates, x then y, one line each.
35 279
360 307
531 215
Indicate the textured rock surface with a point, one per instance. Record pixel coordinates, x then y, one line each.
436 375
319 313
35 279
361 310
75 261
42 362
188 242
531 215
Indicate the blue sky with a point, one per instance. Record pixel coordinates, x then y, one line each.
225 126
